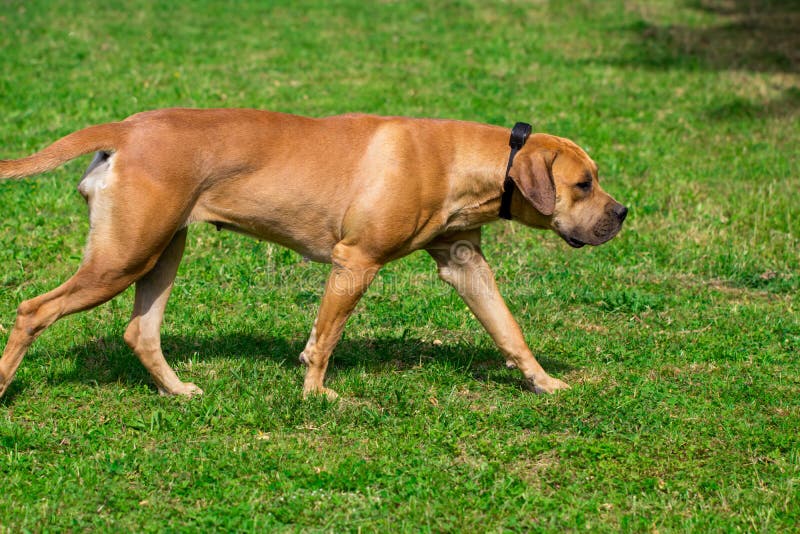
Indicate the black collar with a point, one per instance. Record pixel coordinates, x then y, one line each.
519 134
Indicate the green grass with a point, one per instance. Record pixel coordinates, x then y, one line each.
680 337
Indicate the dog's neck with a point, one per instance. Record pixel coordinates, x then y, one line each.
478 179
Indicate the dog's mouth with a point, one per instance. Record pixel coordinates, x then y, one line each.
574 243
596 236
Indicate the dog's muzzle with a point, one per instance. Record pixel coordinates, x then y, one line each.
605 230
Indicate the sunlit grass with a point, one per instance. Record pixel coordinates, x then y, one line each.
680 337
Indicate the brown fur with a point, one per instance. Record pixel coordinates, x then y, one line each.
356 191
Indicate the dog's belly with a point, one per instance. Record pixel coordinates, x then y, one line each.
307 226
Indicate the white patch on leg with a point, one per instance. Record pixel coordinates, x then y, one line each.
312 340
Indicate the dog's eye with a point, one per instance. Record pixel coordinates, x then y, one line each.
584 186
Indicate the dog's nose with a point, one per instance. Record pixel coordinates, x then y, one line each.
621 212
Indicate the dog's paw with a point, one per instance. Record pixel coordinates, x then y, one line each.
547 384
329 393
186 389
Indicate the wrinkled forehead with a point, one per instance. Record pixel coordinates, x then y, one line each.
586 161
571 147
590 167
577 162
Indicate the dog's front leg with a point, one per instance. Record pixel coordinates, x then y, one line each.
462 265
350 277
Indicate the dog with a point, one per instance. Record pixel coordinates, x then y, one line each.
355 191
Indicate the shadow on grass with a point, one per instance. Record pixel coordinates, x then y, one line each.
754 35
787 104
750 35
102 361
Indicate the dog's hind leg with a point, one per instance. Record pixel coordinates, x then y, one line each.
131 224
143 334
97 281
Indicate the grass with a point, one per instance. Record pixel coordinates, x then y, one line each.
680 337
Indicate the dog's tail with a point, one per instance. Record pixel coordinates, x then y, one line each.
106 137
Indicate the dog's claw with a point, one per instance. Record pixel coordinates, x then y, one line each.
510 365
547 384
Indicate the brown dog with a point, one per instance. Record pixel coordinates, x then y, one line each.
355 191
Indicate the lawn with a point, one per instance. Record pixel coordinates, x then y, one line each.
680 337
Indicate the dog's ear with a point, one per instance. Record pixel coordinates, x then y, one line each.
534 178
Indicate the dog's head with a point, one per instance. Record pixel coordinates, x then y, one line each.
560 190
